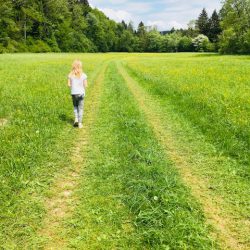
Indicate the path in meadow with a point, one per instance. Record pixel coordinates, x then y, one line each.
130 196
62 200
186 161
89 200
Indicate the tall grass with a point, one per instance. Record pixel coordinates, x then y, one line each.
35 142
211 92
131 196
226 176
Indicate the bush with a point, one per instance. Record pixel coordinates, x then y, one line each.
246 43
2 49
37 46
154 40
201 43
170 42
210 47
12 46
228 42
53 44
231 42
185 44
22 47
80 43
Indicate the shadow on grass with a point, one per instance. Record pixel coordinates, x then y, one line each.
207 55
66 118
238 56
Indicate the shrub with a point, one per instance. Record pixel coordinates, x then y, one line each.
53 44
2 49
80 43
201 43
228 41
185 44
12 46
38 46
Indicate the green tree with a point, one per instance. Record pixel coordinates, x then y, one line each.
142 37
141 30
201 43
56 13
27 18
79 23
214 27
96 33
84 2
72 25
130 27
125 26
202 23
126 42
8 25
235 37
154 41
170 42
185 44
192 30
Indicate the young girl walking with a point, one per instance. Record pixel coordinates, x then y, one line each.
77 81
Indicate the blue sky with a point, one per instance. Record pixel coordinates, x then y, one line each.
163 13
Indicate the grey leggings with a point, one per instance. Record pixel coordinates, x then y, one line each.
78 102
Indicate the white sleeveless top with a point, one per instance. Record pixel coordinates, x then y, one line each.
77 84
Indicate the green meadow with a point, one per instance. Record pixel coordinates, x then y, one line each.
162 161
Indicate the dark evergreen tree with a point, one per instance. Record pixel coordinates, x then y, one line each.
126 42
142 35
202 24
130 27
119 29
141 30
85 2
214 27
192 31
172 30
8 26
125 26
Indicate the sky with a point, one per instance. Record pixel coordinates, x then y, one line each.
165 14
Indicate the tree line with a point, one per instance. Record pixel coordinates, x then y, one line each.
73 26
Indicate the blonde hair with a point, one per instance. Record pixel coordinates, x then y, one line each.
76 68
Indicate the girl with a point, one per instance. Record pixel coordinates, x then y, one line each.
77 81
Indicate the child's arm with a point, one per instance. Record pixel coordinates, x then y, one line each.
85 83
69 82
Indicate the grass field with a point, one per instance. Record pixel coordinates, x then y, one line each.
161 163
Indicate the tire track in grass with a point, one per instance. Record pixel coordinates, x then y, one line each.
62 201
200 188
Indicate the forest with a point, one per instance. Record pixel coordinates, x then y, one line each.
74 26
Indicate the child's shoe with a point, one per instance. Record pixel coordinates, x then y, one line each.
76 123
80 125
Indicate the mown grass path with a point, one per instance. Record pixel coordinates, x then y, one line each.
186 161
130 195
62 200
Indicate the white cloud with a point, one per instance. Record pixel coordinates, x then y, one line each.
163 13
118 15
175 24
161 25
138 8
